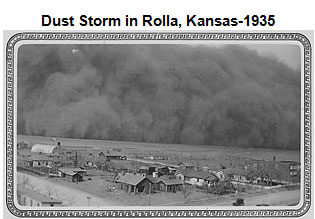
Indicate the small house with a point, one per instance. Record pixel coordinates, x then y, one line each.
186 166
168 185
194 177
133 183
69 174
237 174
211 180
73 177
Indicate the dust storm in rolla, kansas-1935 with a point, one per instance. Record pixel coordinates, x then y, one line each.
226 95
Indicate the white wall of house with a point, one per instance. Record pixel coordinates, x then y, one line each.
40 163
195 181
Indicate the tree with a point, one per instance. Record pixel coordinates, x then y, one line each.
208 189
223 187
186 191
50 190
25 181
71 200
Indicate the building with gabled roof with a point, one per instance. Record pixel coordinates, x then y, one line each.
185 166
168 185
134 183
36 160
71 174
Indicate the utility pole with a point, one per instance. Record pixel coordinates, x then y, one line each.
89 199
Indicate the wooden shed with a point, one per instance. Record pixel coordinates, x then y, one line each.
74 177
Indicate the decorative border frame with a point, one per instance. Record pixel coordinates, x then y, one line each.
155 36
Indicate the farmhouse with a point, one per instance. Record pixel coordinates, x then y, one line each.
28 197
38 160
132 183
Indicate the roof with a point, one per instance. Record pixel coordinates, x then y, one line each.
211 177
114 155
38 157
170 181
185 164
236 171
162 167
37 196
72 174
42 148
24 152
71 171
195 173
132 179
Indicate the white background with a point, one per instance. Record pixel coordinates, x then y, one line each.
26 15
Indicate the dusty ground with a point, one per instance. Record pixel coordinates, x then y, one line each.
66 192
75 194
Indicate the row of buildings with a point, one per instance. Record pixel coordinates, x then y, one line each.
73 166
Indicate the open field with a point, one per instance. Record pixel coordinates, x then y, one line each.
198 155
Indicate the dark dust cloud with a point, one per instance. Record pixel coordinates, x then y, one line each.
227 95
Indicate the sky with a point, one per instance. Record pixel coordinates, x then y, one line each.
289 54
225 95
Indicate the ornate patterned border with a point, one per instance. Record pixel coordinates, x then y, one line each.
77 36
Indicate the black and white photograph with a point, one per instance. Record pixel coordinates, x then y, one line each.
209 122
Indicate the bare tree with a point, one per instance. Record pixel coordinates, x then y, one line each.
72 200
25 180
59 197
50 190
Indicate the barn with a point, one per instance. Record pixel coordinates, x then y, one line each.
44 149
